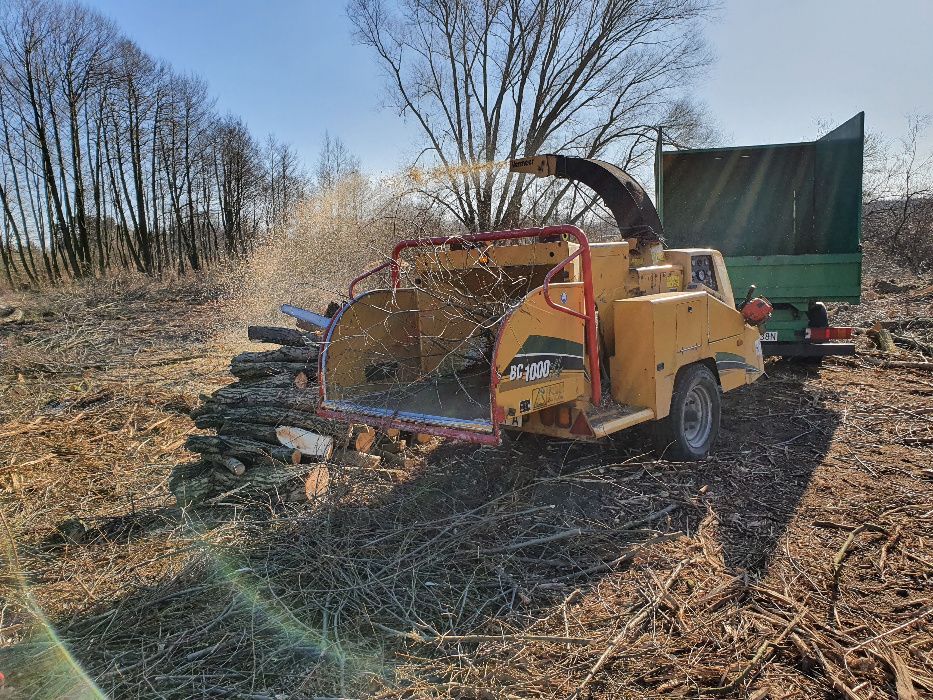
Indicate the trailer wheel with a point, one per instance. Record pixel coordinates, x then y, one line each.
817 317
690 430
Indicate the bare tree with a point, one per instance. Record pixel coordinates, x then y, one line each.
898 195
488 80
109 158
335 162
286 182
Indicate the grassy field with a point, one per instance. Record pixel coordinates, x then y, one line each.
795 563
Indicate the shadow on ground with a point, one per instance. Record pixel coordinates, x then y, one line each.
363 592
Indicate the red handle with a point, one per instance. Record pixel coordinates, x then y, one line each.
547 280
359 279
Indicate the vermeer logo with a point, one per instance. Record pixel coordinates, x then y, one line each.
547 395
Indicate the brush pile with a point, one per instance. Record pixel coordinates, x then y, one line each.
267 436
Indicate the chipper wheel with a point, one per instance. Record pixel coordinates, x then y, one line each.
690 430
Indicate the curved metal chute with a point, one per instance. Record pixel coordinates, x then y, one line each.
623 196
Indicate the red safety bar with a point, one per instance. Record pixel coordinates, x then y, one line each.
359 279
547 281
589 300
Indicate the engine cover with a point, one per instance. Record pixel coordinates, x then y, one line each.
757 311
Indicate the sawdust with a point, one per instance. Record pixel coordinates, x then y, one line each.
420 176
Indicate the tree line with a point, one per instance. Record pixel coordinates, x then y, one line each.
111 160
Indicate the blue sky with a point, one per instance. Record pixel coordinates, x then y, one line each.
291 67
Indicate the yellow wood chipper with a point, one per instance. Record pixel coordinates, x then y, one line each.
541 331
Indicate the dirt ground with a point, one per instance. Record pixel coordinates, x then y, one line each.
796 562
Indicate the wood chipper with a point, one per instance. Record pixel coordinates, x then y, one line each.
541 331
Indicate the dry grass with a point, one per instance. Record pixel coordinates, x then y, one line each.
540 569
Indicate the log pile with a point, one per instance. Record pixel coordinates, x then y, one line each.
267 438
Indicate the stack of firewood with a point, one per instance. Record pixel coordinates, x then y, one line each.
267 436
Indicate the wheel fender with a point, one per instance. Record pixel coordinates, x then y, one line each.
665 385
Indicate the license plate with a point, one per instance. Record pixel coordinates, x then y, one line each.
769 336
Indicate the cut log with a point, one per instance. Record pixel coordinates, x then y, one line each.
302 380
306 442
356 459
306 355
192 483
257 432
248 451
884 341
11 315
362 438
393 447
314 487
276 381
278 483
254 370
397 460
214 415
231 464
417 438
277 336
881 338
299 399
317 482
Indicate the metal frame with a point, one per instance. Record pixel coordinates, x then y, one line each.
589 299
392 420
359 279
589 318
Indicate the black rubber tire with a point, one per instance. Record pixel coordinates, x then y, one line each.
817 317
672 434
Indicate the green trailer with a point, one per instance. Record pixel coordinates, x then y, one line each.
787 218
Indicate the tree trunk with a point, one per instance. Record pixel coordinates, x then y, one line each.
278 336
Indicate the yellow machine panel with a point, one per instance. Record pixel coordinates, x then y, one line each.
691 323
540 357
655 335
610 262
390 321
724 322
499 257
657 279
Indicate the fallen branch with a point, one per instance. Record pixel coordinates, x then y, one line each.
628 556
850 540
566 534
231 464
899 364
765 650
620 637
481 638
